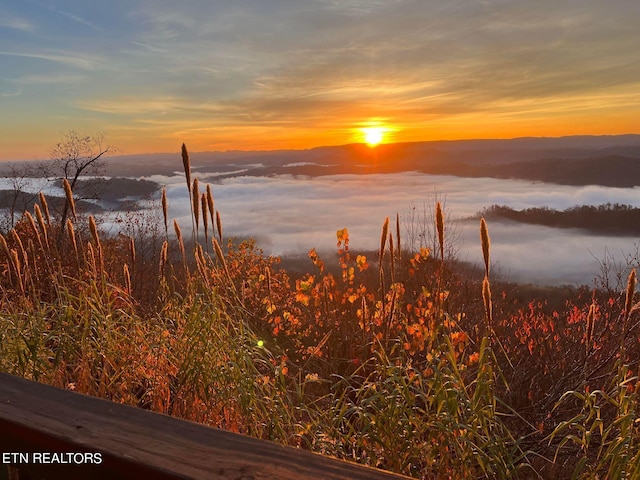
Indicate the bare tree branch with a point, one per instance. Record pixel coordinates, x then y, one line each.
77 155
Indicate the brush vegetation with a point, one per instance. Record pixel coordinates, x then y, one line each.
398 362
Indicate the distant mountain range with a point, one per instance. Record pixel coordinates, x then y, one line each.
609 160
577 160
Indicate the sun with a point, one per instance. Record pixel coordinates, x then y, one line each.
373 135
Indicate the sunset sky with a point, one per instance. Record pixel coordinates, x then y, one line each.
271 74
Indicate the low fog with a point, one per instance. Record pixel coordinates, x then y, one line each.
289 214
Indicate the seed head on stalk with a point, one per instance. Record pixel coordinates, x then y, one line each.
440 228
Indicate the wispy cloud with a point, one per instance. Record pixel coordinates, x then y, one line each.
69 59
75 17
59 78
78 19
148 47
134 106
8 20
11 94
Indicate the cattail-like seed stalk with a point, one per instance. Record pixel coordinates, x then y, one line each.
382 288
18 269
588 339
36 232
96 238
486 244
195 200
205 218
440 229
7 252
69 194
392 257
127 278
383 239
45 207
211 205
183 252
94 230
72 236
163 256
631 288
590 321
486 287
41 224
18 240
220 255
201 263
186 163
398 236
363 308
165 210
219 225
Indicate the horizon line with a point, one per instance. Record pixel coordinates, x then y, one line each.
359 144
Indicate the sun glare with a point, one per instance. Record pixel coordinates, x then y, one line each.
373 135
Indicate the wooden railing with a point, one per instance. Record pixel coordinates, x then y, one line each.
47 432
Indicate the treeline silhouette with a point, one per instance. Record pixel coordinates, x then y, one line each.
608 218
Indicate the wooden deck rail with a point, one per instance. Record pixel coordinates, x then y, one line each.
42 426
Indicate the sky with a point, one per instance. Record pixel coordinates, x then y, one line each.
281 74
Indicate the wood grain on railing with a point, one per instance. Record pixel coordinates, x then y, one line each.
39 420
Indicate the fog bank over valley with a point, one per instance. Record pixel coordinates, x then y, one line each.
290 214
